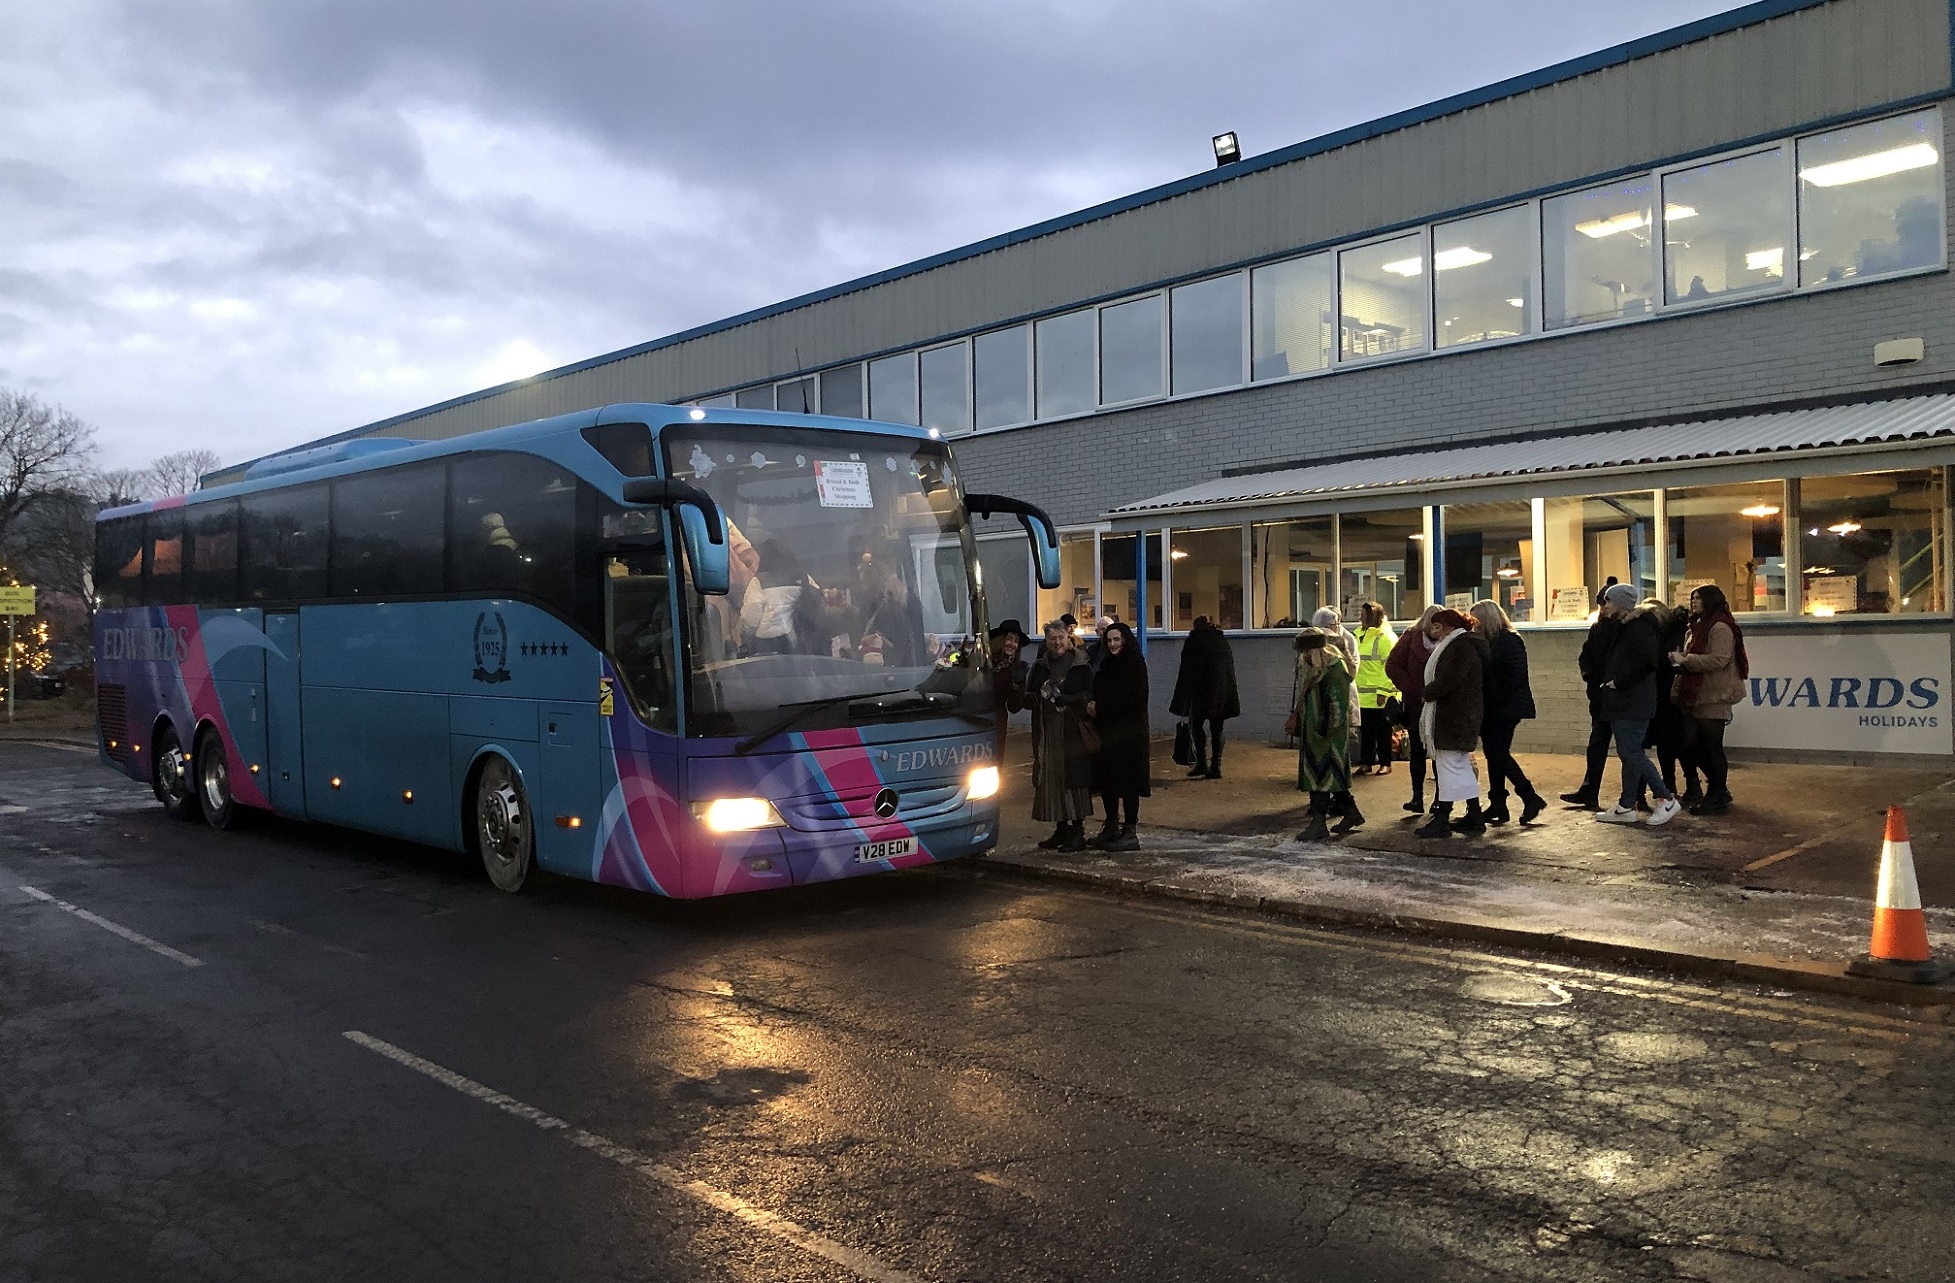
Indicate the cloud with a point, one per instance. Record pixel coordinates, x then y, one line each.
248 225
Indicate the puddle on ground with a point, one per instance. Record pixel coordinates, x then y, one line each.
1515 991
1653 1049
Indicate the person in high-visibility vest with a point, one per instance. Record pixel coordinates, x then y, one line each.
1375 640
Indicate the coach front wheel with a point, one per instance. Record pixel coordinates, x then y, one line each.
169 777
503 833
214 782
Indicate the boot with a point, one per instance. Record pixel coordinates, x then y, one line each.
1497 810
1075 838
1440 824
1058 836
1315 831
1589 799
1125 840
1200 768
1350 817
1417 805
1215 764
1473 822
1693 796
1716 802
1108 831
1532 804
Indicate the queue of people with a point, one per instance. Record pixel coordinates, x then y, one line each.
1456 683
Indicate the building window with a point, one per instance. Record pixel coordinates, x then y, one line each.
1489 555
1382 289
1726 226
1732 536
724 401
1078 593
1293 567
1381 558
1290 317
1207 574
1483 277
1130 350
1205 332
1065 364
1874 544
1586 542
841 392
1598 263
1870 199
797 396
761 398
946 390
1003 361
892 388
1119 578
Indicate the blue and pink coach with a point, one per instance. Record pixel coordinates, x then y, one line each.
683 650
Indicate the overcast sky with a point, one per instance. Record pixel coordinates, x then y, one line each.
243 224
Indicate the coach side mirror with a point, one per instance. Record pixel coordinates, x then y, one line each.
1038 528
701 525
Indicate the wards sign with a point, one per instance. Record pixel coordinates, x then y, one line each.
1846 690
1874 694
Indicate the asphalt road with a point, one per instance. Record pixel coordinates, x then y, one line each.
294 1053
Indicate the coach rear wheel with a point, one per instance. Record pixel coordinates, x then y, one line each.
503 833
214 782
169 777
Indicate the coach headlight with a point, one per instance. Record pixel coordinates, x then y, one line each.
982 783
738 814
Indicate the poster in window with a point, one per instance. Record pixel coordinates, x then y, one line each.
843 483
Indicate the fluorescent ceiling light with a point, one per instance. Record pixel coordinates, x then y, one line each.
1759 511
1632 221
1878 164
1406 266
1458 256
1846 527
1766 260
1516 302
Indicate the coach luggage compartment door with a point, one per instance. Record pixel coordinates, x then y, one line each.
284 751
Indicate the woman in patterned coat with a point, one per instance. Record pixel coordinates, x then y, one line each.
1321 721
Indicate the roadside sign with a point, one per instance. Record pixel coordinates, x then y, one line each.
16 601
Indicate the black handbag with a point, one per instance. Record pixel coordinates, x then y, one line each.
1184 745
1394 711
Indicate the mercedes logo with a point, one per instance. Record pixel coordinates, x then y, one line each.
886 803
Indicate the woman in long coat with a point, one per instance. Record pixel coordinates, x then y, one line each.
1321 721
1059 687
1119 713
1205 693
1509 702
1406 666
1455 704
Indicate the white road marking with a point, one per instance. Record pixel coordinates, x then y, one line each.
64 747
133 937
12 810
859 1263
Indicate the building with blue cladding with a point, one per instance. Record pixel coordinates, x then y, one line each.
1675 313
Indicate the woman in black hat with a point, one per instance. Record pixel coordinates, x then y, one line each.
1008 671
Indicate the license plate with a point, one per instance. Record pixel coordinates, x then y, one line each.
870 852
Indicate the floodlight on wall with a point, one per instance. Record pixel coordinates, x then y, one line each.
1227 150
1899 352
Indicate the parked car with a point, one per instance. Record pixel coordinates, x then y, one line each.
37 685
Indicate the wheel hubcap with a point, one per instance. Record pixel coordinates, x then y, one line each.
217 780
169 769
501 818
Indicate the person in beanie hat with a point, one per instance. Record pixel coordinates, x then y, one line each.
1455 704
1601 635
1321 721
1626 697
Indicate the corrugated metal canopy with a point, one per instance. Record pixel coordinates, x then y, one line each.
1863 423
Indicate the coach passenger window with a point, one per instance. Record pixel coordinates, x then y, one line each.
284 545
213 552
625 446
119 562
387 533
163 553
512 522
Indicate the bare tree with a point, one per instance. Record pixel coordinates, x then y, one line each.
44 451
117 486
178 473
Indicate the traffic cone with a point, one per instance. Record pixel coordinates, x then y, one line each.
1899 950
